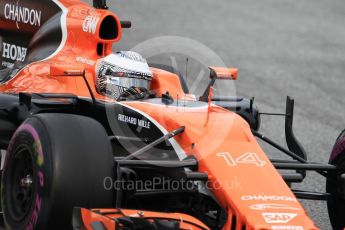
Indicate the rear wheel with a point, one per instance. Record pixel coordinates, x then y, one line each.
55 162
336 184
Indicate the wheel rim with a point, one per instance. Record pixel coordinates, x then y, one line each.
21 186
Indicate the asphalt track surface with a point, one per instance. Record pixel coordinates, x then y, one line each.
281 48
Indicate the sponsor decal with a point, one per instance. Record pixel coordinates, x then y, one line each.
38 151
247 158
13 52
263 197
6 64
85 60
35 214
21 14
287 227
278 218
134 121
271 206
90 24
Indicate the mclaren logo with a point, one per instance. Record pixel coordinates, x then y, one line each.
21 14
278 218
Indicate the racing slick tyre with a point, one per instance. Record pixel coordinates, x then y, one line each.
336 184
175 71
55 162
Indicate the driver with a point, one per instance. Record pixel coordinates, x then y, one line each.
124 75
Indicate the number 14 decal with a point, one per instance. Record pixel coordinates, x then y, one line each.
247 158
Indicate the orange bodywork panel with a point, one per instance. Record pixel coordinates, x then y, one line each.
79 53
108 218
241 176
164 81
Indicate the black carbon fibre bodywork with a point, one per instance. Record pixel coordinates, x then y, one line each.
24 24
15 109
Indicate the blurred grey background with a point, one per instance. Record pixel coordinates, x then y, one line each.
281 47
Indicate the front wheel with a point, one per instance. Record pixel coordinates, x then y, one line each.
335 184
55 162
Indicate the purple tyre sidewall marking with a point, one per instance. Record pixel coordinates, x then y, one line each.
37 146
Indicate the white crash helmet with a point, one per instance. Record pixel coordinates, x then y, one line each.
117 72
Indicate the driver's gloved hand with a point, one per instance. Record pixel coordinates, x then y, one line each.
135 93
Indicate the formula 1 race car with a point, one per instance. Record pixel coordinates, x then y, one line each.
92 139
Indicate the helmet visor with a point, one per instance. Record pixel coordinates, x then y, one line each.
114 86
118 72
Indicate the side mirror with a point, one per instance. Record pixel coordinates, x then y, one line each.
223 73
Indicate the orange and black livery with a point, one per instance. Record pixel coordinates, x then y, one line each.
80 154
